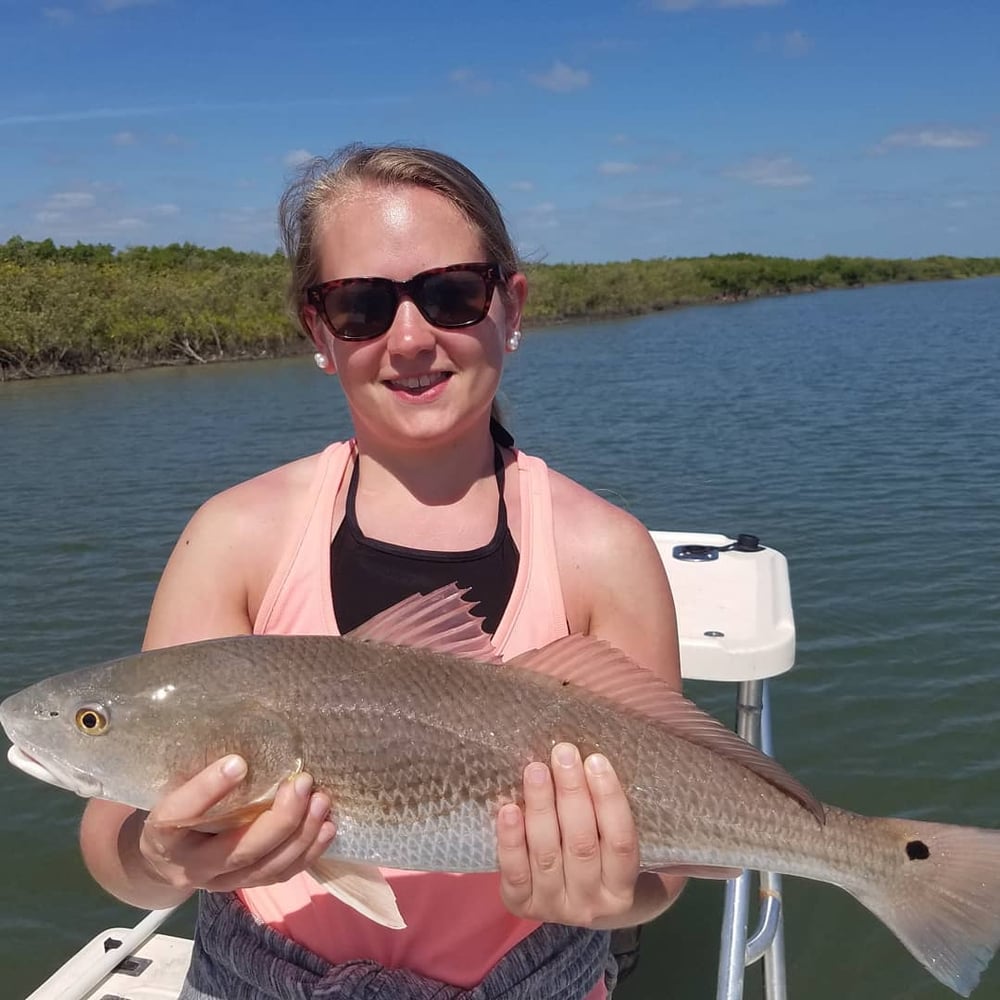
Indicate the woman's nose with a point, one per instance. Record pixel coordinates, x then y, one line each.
410 333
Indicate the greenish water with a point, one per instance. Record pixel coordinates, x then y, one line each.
856 431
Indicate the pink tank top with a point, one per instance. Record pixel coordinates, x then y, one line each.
457 926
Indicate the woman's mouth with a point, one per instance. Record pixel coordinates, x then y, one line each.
416 385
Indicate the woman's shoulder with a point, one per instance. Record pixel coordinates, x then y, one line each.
222 562
587 522
613 579
268 497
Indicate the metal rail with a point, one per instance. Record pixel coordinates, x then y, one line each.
738 949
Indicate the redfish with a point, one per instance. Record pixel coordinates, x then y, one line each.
419 734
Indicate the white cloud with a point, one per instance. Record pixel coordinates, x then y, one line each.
796 43
777 172
124 139
522 186
95 114
124 225
297 158
164 211
469 80
62 206
792 44
649 201
932 138
562 78
615 168
59 15
678 6
70 201
541 216
112 5
248 220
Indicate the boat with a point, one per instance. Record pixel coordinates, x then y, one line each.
736 627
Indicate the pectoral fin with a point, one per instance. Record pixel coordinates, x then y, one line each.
217 822
362 887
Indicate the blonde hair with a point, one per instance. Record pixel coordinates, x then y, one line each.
323 181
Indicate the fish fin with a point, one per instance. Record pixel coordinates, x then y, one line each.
361 887
698 871
602 670
943 903
441 621
231 819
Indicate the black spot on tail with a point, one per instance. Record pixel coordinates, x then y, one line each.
917 850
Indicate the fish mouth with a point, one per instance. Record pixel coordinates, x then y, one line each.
52 773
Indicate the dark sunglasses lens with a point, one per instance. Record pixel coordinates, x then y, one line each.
362 310
455 298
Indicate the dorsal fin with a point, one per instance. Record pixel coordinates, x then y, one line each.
441 621
600 669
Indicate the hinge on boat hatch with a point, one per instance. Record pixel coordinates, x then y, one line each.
706 553
130 966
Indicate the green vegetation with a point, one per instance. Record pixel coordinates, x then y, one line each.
90 308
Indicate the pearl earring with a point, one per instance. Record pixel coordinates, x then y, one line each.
514 341
320 359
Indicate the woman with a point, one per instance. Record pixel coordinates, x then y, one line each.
406 281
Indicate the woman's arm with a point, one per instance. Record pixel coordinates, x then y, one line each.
146 860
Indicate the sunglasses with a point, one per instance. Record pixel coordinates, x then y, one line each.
447 297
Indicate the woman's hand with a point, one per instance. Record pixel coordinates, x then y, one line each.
572 855
282 841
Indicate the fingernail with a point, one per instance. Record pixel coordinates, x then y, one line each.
234 767
302 784
565 754
536 774
597 763
319 806
510 816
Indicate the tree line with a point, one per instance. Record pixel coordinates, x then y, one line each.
91 308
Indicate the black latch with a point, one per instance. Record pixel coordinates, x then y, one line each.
706 553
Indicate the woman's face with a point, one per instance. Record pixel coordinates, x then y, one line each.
416 384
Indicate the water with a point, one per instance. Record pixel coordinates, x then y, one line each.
855 431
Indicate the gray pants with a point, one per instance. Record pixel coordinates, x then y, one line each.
235 958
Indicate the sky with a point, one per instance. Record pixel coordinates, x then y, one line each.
607 129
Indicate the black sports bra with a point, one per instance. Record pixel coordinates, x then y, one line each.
367 575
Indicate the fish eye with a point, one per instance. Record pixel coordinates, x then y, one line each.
91 720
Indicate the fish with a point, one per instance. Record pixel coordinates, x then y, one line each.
419 734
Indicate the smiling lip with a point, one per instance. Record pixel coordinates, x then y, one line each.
424 387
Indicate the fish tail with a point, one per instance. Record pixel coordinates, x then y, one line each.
941 898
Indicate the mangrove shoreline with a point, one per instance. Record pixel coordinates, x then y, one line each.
91 309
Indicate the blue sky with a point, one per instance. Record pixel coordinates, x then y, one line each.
608 130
